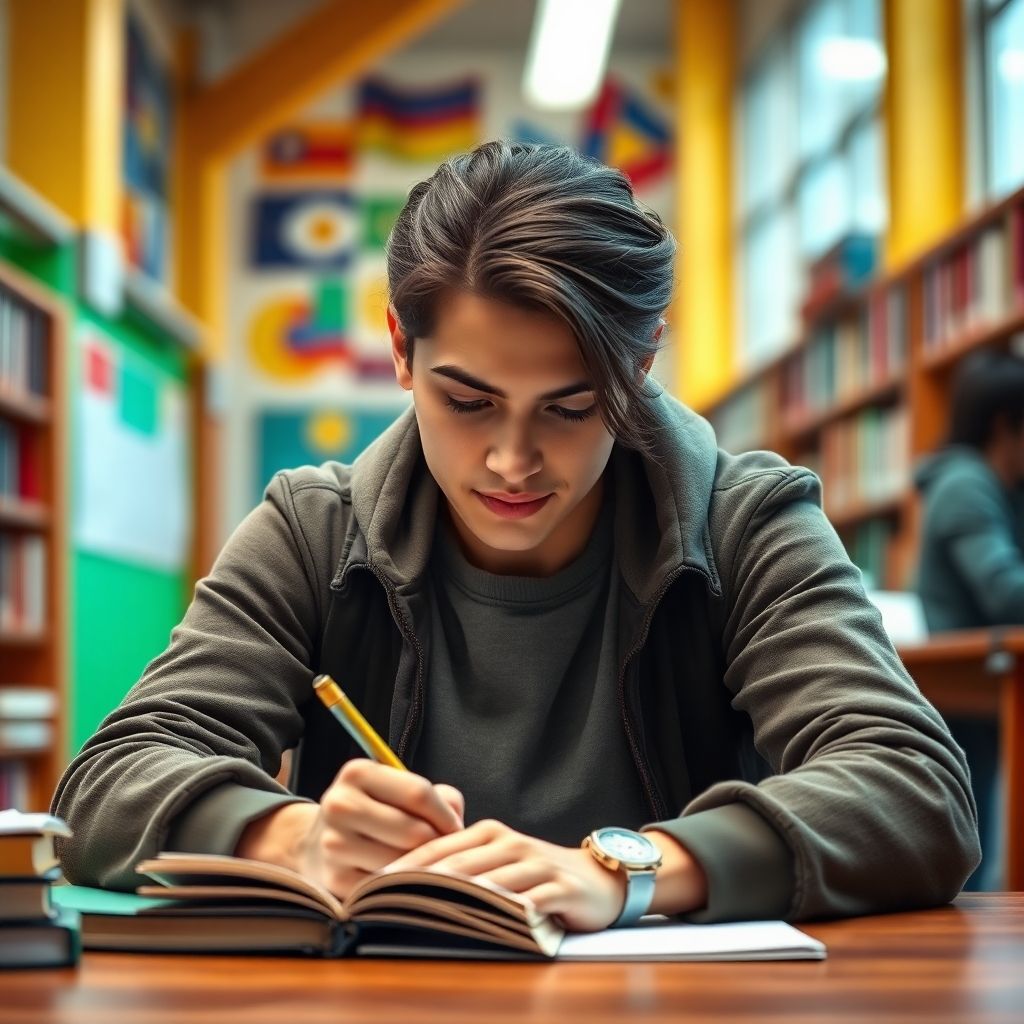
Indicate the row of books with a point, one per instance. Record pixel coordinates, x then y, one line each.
979 283
24 362
862 460
19 469
34 930
22 583
847 357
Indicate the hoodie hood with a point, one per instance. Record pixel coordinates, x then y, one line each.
954 459
395 501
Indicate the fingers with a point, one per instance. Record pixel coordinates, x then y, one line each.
454 799
476 839
391 807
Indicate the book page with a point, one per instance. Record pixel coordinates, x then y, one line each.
444 885
657 939
187 869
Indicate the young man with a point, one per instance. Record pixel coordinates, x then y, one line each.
971 569
562 605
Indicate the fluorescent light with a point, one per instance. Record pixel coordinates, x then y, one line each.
1011 65
851 60
568 52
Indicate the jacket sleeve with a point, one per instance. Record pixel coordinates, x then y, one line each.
975 528
871 794
200 737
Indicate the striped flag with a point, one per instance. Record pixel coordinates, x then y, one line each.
418 124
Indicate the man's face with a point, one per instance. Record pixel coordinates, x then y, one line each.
510 430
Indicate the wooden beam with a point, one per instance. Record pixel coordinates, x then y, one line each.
335 43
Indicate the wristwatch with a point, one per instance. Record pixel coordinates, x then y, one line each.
621 849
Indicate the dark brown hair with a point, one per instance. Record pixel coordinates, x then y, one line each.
545 228
989 387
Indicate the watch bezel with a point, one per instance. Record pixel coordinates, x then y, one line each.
608 855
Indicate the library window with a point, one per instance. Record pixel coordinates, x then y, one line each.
1002 61
812 158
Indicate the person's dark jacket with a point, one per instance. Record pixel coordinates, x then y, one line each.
750 651
971 564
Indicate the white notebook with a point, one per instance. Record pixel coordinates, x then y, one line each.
655 939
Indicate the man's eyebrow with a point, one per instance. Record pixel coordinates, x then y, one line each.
460 376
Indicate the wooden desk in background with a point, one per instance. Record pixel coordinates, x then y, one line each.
981 672
958 963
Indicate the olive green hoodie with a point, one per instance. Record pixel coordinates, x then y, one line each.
772 725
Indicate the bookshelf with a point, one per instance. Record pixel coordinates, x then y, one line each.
32 541
863 393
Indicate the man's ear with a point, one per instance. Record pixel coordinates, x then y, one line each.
399 351
649 361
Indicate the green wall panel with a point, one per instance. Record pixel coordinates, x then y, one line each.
122 619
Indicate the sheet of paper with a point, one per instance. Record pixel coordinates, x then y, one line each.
657 940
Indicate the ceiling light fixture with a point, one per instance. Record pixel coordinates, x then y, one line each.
568 52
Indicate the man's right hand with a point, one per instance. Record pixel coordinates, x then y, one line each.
370 815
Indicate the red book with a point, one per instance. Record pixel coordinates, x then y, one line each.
1017 254
29 482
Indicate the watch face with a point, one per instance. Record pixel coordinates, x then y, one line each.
631 848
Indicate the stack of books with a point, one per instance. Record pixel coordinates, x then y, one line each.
34 931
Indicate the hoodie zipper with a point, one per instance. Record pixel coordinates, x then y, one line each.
654 797
405 628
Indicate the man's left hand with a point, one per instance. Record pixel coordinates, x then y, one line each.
564 882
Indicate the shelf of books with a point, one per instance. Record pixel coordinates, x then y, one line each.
32 542
864 391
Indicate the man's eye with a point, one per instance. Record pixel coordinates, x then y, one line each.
574 415
463 407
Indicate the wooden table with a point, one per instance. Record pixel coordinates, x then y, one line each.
981 672
959 963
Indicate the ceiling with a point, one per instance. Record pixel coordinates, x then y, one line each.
243 26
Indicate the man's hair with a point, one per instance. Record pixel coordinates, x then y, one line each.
547 229
989 386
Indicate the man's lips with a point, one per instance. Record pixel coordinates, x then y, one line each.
513 506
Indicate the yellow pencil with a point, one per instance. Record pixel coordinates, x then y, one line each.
357 727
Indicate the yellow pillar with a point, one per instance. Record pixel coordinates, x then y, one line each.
65 73
706 59
924 117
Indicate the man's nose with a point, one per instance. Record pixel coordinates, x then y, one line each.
514 455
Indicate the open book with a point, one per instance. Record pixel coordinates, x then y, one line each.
206 903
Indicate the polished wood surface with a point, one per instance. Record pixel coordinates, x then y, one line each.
981 672
959 963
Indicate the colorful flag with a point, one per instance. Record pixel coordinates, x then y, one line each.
315 152
419 124
304 229
625 132
293 336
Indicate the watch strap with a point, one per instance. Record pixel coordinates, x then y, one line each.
639 894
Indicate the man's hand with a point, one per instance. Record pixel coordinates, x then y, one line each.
566 882
370 815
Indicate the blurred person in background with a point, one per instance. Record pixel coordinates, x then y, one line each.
971 568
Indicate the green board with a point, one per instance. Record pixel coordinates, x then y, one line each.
122 617
119 614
